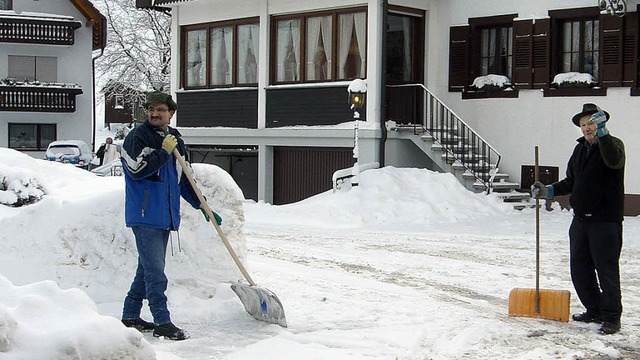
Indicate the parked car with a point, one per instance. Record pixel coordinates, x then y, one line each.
74 152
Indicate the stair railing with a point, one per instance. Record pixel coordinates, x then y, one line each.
459 141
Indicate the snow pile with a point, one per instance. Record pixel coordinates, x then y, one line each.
420 197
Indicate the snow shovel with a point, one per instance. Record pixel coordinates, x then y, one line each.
539 303
259 302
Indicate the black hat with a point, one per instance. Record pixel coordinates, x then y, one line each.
158 97
587 109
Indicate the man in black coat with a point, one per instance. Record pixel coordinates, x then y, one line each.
595 180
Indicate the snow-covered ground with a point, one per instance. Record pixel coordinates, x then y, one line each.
409 265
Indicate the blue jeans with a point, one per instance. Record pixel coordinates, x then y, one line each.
150 282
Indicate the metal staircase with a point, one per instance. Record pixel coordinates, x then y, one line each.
451 144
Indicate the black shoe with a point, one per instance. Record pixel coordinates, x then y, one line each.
170 331
609 327
587 317
139 324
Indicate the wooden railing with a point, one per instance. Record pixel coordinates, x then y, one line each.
50 32
38 99
460 142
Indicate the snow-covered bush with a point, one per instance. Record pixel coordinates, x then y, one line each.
18 189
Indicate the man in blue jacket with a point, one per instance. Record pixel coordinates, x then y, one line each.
154 183
595 180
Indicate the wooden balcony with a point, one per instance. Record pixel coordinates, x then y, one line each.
57 99
15 29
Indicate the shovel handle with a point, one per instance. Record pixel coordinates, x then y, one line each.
537 178
209 212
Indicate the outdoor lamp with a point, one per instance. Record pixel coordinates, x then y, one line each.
357 93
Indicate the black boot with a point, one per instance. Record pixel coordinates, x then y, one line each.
587 317
139 324
609 327
170 331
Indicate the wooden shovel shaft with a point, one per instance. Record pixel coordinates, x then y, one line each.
536 179
209 212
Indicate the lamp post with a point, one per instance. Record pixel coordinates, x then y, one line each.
357 94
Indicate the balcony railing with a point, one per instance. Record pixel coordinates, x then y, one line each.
38 98
35 31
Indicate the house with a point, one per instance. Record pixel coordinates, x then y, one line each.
46 72
469 87
123 104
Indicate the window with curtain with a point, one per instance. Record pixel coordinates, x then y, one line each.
580 46
196 58
31 136
320 46
288 51
221 54
248 54
5 5
496 51
352 30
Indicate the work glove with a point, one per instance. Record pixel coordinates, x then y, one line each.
600 119
169 143
218 218
539 190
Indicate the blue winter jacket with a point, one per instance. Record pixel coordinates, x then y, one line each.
154 180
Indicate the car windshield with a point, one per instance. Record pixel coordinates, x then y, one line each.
64 150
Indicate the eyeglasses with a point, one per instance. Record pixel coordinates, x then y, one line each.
160 110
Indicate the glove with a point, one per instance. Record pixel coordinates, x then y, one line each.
169 143
539 190
218 218
600 119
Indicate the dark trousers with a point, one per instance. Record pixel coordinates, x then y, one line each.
595 271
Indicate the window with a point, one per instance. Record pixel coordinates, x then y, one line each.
404 46
6 5
319 47
30 68
580 46
220 54
496 51
31 136
118 102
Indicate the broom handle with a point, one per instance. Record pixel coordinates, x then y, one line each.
537 177
209 212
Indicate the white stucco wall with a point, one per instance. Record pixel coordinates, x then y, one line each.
516 126
74 64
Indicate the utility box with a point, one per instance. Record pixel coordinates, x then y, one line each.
547 175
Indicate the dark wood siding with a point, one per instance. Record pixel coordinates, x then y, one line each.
301 172
309 106
230 108
458 57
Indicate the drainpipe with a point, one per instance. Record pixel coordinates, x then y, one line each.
93 93
383 86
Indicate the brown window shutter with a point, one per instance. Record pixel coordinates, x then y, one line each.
541 48
610 50
522 54
630 50
458 58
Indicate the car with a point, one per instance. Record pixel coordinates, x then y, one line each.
75 152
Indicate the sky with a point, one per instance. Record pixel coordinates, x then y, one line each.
408 265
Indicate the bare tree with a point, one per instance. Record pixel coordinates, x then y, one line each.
138 54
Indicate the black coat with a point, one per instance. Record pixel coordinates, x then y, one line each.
595 180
